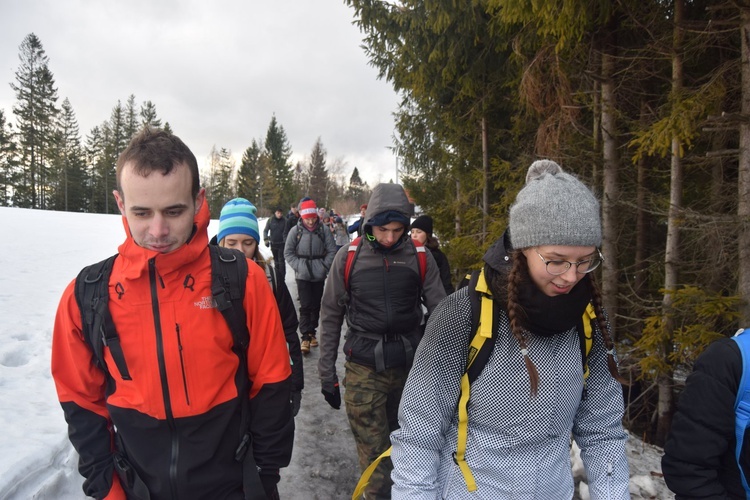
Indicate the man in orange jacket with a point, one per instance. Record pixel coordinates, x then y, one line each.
173 426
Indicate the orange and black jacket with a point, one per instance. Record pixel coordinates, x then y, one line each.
178 420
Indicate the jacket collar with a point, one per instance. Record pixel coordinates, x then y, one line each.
498 255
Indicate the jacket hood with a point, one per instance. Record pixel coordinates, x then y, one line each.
135 258
385 198
498 255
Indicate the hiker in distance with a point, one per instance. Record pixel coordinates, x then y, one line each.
273 234
511 439
309 250
379 284
421 230
163 409
238 229
700 455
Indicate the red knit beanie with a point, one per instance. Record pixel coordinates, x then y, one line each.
308 210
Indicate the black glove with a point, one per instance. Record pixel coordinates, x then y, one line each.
296 399
269 480
333 398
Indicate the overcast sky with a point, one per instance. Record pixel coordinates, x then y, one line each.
216 70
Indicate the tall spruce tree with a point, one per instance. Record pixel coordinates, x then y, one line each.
318 175
70 164
278 150
449 63
356 189
115 140
35 110
7 161
148 115
95 186
219 179
132 124
250 173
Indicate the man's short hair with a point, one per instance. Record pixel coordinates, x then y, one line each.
154 149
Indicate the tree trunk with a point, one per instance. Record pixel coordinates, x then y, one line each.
610 195
596 138
641 227
743 182
486 179
672 250
458 207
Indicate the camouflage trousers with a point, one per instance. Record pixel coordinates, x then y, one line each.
372 401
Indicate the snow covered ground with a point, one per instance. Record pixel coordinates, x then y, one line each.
40 252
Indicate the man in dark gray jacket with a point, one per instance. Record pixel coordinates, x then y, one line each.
309 250
383 307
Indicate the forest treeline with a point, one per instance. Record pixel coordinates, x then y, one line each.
46 164
646 101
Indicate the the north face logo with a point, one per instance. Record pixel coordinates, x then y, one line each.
205 303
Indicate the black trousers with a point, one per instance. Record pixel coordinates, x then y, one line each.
278 258
310 295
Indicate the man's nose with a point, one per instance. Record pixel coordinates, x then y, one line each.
159 226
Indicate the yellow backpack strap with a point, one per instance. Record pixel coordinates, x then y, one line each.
364 479
483 333
589 315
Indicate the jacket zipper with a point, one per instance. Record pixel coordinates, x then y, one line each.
163 375
182 364
386 270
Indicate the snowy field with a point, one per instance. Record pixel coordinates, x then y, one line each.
40 252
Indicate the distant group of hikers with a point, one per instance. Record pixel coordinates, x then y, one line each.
179 361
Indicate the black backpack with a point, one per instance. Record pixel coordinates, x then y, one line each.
228 277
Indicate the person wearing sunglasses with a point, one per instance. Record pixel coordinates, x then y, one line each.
537 389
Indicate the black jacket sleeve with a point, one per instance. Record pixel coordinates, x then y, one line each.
272 426
92 439
291 221
290 323
445 271
698 459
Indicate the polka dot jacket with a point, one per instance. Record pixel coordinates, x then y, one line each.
518 446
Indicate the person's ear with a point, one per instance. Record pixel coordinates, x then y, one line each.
199 200
120 201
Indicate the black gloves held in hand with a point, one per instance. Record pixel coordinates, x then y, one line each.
296 399
269 479
333 398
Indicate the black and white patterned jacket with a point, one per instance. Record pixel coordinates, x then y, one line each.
518 446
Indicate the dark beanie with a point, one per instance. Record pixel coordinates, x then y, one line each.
423 222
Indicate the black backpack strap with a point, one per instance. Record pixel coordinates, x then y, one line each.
92 296
484 353
228 278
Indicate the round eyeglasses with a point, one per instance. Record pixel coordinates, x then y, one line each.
558 267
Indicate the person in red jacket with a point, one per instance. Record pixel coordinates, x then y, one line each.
172 428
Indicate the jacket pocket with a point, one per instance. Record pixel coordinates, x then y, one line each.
133 485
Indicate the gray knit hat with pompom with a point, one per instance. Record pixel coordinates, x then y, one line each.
554 208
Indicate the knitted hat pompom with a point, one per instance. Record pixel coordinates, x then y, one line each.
541 167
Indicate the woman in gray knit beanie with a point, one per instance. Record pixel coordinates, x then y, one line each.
550 373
